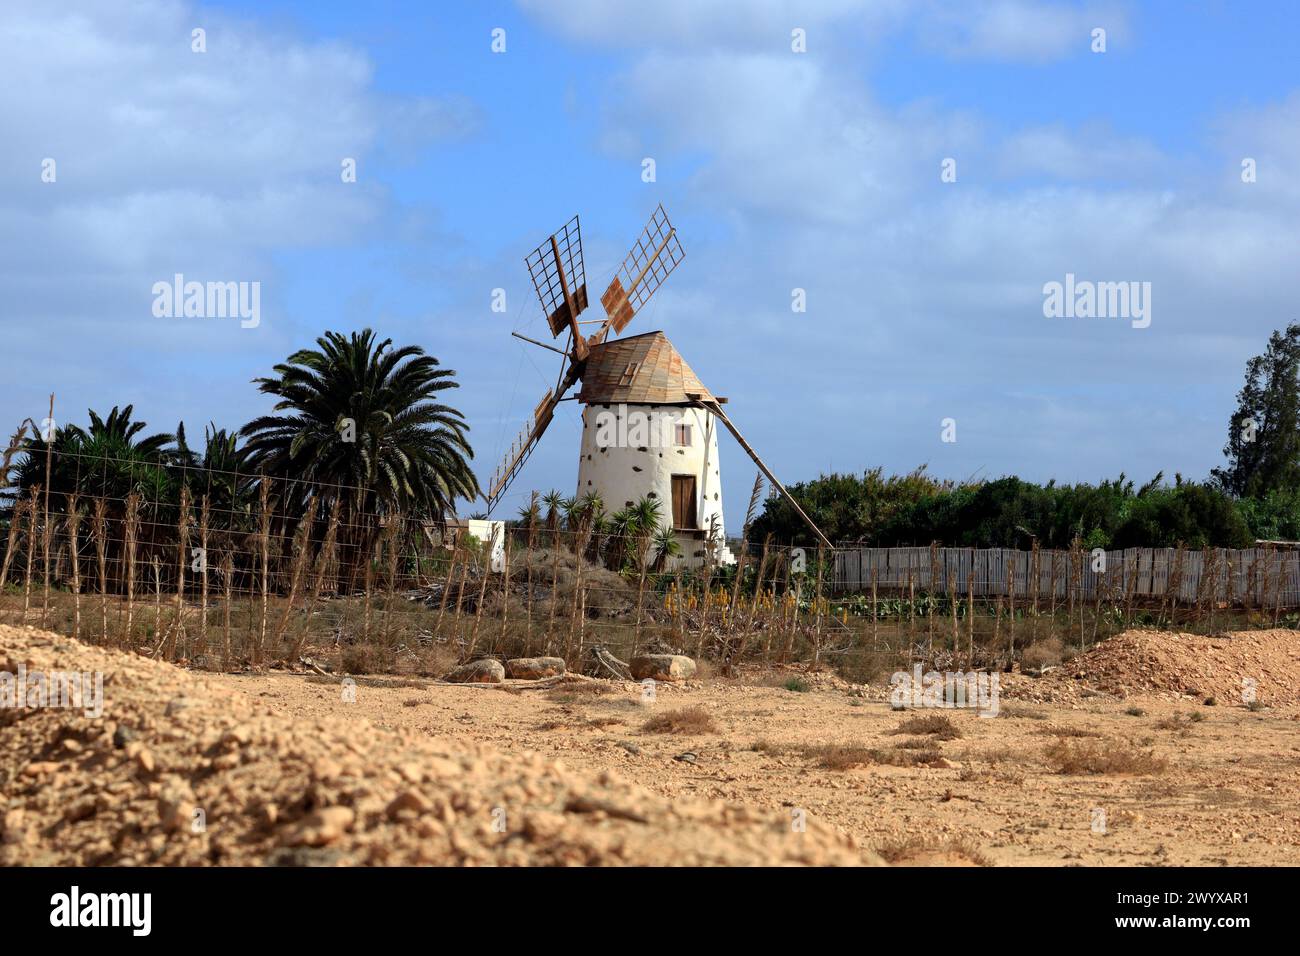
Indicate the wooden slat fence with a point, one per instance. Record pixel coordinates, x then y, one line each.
1259 577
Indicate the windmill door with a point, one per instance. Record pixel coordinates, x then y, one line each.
684 502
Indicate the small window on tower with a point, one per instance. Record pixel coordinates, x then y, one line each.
683 434
629 373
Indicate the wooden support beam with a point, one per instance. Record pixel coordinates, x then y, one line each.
722 416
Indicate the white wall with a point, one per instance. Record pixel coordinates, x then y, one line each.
642 456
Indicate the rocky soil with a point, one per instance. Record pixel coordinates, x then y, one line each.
180 770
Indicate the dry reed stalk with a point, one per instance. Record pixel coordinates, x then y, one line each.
157 603
73 523
934 587
264 548
640 606
446 590
99 529
15 520
131 531
750 514
1131 586
325 559
388 546
745 634
482 595
970 618
875 614
1011 602
555 594
45 527
183 522
1051 583
31 549
997 621
681 611
301 548
460 596
228 580
911 609
1035 559
817 629
204 512
505 592
1277 589
952 600
528 603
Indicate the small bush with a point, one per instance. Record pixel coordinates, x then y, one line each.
839 756
1135 711
367 659
685 720
1045 653
798 685
935 725
1102 757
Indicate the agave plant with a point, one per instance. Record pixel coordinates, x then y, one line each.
664 546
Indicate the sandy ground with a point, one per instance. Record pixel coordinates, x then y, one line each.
177 770
298 768
1228 794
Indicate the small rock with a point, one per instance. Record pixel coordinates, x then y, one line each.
409 800
323 826
534 668
484 671
123 736
663 667
40 768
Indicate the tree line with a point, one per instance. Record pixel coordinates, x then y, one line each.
1255 495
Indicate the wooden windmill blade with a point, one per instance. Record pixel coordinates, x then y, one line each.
528 438
656 253
560 278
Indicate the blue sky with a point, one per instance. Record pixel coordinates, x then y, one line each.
782 170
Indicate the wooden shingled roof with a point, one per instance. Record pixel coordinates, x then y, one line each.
640 369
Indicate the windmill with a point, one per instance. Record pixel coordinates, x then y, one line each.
649 423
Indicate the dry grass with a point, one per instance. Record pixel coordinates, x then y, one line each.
1044 653
1066 732
910 753
684 720
934 725
1102 757
572 693
1021 712
1180 722
914 848
839 756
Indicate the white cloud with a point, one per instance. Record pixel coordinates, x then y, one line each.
210 164
924 298
1022 30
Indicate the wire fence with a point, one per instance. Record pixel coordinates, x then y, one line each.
225 570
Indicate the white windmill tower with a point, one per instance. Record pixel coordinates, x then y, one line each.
649 425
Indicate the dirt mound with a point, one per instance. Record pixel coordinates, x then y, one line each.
1174 665
178 770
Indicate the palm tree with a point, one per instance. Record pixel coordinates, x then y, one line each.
109 459
363 426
